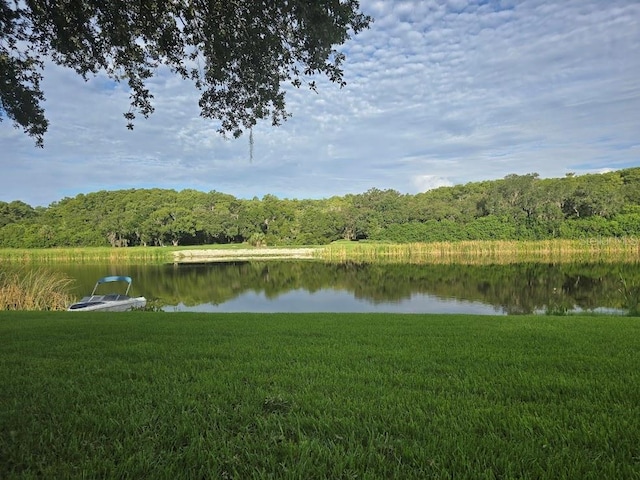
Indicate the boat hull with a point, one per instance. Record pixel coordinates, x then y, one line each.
99 305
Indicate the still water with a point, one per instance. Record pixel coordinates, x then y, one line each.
329 300
311 286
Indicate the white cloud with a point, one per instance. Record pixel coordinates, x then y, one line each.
439 93
429 182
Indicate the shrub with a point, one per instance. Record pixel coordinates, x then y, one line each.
257 240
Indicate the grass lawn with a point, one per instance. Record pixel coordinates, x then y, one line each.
301 396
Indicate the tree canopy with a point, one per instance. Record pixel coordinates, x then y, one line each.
517 207
238 53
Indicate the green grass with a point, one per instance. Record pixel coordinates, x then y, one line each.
180 395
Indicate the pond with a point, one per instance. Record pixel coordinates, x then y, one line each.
312 286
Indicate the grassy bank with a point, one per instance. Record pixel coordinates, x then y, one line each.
138 255
159 395
85 255
487 252
466 252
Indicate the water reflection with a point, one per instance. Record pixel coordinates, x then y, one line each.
330 300
315 286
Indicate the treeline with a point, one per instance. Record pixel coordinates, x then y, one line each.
517 207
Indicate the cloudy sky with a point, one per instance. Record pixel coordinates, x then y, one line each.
440 92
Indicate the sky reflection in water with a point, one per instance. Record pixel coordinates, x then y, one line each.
330 300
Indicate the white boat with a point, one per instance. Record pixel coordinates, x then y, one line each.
111 302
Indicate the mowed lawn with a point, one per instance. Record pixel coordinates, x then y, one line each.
302 396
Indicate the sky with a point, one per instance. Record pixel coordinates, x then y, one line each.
439 93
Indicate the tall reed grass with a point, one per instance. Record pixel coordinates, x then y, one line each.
85 255
28 289
471 252
487 252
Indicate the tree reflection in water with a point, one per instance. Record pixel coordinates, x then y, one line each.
316 286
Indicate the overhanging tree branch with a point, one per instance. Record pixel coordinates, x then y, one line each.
238 53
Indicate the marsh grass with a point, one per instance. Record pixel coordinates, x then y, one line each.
34 289
465 252
129 255
487 252
252 396
84 255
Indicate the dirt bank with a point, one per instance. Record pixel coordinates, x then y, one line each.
220 255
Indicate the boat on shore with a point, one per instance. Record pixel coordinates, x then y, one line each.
110 302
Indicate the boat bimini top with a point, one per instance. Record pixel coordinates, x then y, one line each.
113 278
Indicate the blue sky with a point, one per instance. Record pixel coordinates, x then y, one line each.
439 92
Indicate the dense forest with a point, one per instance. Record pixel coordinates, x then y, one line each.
516 207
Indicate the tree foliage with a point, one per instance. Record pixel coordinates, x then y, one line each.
238 53
516 207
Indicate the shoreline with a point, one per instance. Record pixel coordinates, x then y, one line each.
243 254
